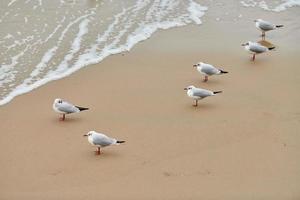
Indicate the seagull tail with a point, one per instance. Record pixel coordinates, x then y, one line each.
81 108
279 26
216 92
223 72
120 141
271 48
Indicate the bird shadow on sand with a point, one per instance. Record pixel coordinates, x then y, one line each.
210 82
259 61
105 154
214 80
67 120
267 43
202 106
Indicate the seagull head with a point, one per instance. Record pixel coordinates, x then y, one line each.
245 44
58 100
197 65
257 20
89 133
189 87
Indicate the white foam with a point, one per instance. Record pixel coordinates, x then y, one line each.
248 3
281 6
196 11
11 2
286 4
8 36
75 45
121 35
43 63
7 71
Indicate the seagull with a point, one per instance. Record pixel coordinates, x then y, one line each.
208 70
101 140
64 108
199 93
265 26
256 48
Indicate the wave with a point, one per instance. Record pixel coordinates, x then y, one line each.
75 39
276 7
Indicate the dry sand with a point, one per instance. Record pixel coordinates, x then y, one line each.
241 144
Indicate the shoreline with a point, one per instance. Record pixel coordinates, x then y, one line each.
56 63
208 17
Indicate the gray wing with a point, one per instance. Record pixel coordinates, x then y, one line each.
202 93
257 48
209 70
102 140
67 107
266 26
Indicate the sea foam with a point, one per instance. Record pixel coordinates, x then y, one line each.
277 7
81 38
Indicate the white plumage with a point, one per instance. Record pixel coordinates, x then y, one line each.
101 140
265 26
255 48
199 93
63 107
208 70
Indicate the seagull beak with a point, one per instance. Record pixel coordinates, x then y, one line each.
194 65
85 135
243 44
185 88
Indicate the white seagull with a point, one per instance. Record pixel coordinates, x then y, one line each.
199 93
64 108
208 70
265 26
256 48
100 140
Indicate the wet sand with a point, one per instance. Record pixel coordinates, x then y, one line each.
241 144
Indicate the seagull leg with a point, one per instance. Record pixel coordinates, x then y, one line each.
205 79
62 118
98 151
262 35
196 103
253 57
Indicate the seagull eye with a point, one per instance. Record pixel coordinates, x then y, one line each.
60 101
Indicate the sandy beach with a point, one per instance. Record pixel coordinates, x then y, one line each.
241 144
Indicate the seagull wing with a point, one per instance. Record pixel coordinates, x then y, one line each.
210 70
202 92
257 48
102 140
266 26
67 107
